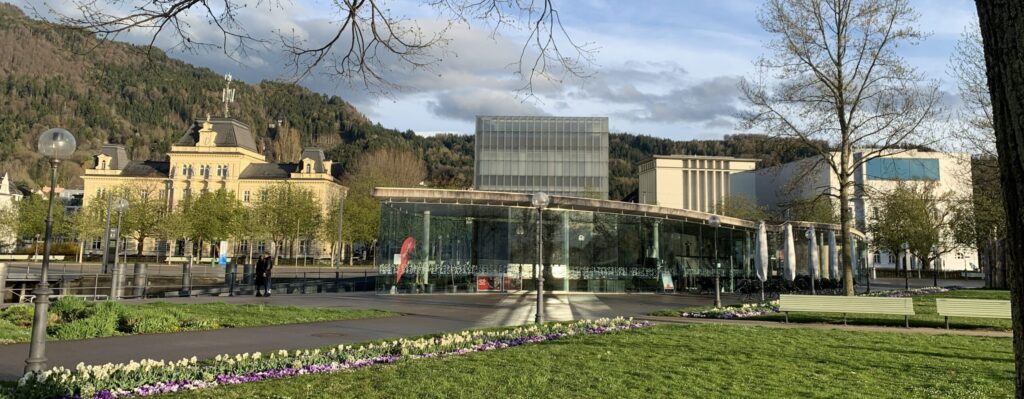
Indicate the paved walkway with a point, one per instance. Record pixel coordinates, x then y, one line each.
422 314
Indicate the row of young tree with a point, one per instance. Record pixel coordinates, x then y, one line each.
282 214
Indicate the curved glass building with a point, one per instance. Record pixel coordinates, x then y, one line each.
479 241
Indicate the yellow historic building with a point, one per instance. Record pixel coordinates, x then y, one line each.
214 153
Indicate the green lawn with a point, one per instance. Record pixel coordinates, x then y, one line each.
699 361
72 318
924 307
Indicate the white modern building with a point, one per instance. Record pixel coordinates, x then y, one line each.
691 182
778 188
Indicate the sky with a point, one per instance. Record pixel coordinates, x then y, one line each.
667 68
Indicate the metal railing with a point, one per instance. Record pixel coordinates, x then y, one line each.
144 281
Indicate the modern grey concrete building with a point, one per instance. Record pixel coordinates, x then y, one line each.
565 156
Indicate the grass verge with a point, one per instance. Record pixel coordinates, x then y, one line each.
73 318
682 361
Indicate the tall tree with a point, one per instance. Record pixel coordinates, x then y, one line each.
1002 32
175 225
213 216
31 219
289 212
834 82
87 224
145 210
930 223
976 135
382 168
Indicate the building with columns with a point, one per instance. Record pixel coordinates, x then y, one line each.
690 182
213 154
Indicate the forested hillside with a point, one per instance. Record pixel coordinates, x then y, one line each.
136 96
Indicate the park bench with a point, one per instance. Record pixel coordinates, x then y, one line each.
847 304
986 308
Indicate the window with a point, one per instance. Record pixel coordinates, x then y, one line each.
103 164
245 196
892 259
878 257
903 169
96 244
187 192
261 246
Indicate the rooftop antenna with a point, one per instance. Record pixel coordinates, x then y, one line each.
228 96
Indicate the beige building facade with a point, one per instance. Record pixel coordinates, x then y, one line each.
778 187
690 182
214 154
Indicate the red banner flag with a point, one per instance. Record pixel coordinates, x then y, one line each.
407 247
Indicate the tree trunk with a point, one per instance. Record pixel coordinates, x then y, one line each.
352 245
845 223
1003 35
139 247
81 249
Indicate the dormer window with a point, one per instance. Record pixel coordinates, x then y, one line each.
103 164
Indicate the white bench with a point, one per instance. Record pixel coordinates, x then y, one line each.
847 304
984 308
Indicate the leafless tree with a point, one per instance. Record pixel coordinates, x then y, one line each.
833 76
1003 38
967 67
370 40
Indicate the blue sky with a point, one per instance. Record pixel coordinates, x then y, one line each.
664 68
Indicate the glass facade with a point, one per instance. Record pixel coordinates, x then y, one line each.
453 247
557 155
903 169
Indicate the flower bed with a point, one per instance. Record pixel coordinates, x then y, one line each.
149 377
735 311
902 293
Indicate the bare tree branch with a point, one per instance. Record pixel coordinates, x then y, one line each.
369 43
834 76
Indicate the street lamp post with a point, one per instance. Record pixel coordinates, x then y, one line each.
935 267
120 205
715 222
906 267
540 201
56 144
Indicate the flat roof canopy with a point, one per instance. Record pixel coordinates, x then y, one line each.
473 197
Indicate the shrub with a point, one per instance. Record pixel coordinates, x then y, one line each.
70 308
102 322
196 323
147 323
19 315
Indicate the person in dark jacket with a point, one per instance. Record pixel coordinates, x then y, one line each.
264 265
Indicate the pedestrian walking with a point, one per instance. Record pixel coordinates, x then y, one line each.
264 265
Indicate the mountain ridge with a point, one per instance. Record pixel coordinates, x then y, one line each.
113 92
